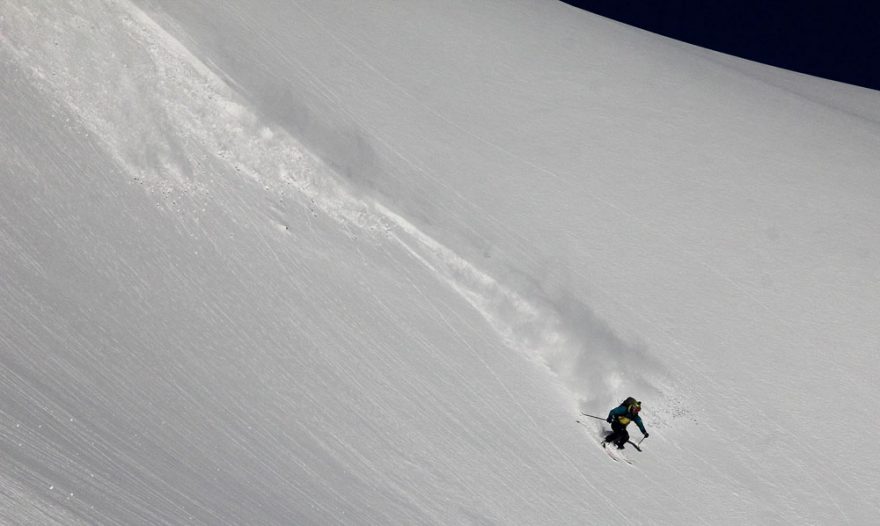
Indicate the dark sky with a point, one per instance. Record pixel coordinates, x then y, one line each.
838 39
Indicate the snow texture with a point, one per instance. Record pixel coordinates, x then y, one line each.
334 262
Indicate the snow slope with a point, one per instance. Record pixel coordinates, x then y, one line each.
330 262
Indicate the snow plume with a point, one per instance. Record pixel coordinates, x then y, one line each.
194 121
590 361
176 123
593 361
333 137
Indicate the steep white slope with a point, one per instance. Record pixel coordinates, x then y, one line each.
334 262
190 359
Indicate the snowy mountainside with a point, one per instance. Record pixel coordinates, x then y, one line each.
326 262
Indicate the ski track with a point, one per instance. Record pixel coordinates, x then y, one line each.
552 334
491 299
201 121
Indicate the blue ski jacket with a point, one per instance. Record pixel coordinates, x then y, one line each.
622 414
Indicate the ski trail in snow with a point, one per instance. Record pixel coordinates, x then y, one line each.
174 126
609 203
171 99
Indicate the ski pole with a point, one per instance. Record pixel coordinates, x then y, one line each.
591 416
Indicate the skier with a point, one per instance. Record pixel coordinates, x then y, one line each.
619 418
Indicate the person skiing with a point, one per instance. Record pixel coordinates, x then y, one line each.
619 418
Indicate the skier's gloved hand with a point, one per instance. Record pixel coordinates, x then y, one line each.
646 434
608 419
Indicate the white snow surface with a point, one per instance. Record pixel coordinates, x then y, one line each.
335 262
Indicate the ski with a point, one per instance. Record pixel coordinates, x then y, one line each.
614 455
630 442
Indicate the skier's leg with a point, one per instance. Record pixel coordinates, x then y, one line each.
610 437
621 438
616 428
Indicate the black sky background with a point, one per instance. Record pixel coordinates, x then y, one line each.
838 40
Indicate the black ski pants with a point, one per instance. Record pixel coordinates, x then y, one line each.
619 436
